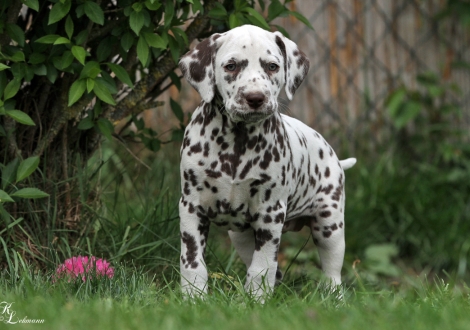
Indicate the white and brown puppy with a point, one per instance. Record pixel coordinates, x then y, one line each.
247 168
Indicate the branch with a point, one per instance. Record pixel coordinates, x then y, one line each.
99 33
62 116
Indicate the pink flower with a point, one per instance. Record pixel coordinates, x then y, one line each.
76 266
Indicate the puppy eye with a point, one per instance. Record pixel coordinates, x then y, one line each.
231 67
272 66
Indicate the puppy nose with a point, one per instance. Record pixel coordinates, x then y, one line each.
254 100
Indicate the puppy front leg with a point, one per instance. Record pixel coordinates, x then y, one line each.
261 275
194 230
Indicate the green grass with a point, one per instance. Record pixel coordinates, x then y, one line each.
135 300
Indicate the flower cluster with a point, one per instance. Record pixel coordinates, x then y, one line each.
84 267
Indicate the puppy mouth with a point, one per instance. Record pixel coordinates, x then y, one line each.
251 116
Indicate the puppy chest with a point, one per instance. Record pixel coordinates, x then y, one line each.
231 202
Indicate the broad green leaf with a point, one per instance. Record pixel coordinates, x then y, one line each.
154 40
169 13
36 58
142 51
15 33
137 6
81 37
177 135
79 53
136 21
152 143
174 49
86 123
276 9
108 81
18 57
61 40
233 21
3 67
180 34
177 111
127 41
11 88
62 62
138 122
58 11
90 70
48 39
26 168
40 70
153 5
76 91
105 48
175 80
218 12
105 127
4 197
102 92
9 172
97 110
29 75
66 60
301 18
121 74
80 11
260 19
94 12
69 27
18 70
30 193
197 6
51 73
20 117
90 83
33 4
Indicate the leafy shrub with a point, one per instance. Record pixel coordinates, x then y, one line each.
70 71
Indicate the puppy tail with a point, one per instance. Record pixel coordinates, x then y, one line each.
347 163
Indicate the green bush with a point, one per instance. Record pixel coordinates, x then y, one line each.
70 72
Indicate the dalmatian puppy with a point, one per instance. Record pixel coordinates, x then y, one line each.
249 169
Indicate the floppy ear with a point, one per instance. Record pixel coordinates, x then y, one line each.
296 64
197 67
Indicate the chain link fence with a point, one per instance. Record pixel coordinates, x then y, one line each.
361 50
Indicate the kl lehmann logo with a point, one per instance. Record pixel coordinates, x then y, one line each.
8 315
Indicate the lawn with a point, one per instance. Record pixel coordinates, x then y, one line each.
134 300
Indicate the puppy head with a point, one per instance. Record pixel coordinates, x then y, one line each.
247 66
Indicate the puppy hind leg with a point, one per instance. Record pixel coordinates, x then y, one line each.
328 236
